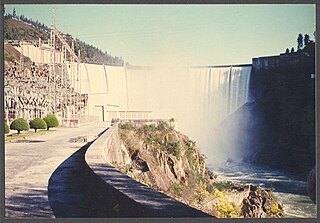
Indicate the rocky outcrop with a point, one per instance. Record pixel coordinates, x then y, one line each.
312 181
121 195
161 164
236 197
260 204
169 162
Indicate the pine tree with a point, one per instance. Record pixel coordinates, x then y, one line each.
306 39
292 50
300 41
14 13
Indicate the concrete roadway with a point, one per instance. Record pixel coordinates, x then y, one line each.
29 165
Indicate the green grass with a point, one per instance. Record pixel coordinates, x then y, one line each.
177 189
23 135
223 185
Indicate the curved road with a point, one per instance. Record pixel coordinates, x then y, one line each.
29 165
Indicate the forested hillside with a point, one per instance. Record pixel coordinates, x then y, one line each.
22 28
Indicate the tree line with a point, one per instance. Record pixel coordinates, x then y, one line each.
89 53
302 42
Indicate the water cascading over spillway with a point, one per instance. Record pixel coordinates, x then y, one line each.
198 98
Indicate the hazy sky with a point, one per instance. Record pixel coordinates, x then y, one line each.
181 34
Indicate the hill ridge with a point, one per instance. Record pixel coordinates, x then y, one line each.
23 28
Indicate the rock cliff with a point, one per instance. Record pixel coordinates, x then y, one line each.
168 161
312 185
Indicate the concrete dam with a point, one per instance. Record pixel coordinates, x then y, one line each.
135 88
194 97
232 112
162 90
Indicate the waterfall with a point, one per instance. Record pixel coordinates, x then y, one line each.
198 98
215 91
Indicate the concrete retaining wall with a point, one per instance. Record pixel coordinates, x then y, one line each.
107 148
136 200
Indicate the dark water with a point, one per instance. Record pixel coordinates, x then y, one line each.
290 191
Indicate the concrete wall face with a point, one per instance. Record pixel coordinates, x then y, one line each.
192 96
182 93
39 54
167 92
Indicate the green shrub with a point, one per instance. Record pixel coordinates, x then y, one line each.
51 121
38 123
20 124
210 188
8 57
127 126
6 128
177 189
174 148
190 154
147 128
162 125
171 123
223 185
201 192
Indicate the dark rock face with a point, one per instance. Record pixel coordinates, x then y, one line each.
312 190
278 128
285 136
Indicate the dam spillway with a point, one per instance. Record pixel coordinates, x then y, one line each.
161 90
193 96
198 98
165 90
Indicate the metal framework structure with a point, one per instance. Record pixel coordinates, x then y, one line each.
34 90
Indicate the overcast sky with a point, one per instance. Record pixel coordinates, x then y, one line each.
181 34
